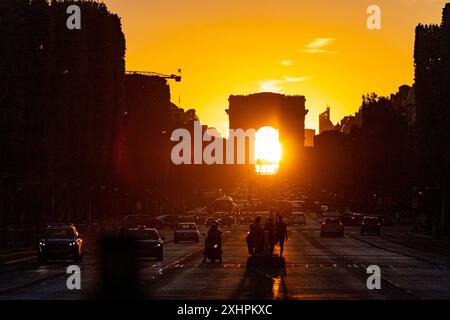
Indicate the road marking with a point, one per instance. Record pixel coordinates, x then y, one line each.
232 265
18 260
17 253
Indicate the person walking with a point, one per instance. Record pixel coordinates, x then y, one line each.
281 231
270 228
257 236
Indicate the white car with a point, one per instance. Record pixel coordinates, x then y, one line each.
298 218
186 231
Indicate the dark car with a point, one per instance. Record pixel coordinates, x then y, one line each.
149 243
60 242
212 220
385 220
200 219
371 224
331 224
357 218
187 218
246 219
136 220
170 220
348 219
227 220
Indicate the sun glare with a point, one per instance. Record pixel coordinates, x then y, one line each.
267 151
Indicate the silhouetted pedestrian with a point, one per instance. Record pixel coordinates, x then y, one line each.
281 230
257 236
270 228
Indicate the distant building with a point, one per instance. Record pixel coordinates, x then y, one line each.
330 160
146 126
309 137
432 97
410 106
182 118
398 99
404 101
325 123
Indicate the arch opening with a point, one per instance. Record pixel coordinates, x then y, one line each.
268 151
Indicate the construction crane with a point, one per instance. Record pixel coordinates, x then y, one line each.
175 77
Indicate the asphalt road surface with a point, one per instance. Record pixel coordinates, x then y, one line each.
316 268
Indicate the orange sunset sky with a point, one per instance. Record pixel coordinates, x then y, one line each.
321 49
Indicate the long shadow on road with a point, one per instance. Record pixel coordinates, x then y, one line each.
262 283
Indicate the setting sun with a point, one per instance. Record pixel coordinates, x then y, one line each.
267 151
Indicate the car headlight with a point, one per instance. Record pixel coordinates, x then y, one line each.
158 245
42 244
72 244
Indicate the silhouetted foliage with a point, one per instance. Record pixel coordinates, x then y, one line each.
367 161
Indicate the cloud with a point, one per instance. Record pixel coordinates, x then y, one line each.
318 46
287 63
293 79
275 85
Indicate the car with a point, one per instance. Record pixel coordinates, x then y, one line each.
245 219
186 231
371 224
187 218
348 219
135 220
296 204
200 219
148 242
170 220
331 224
357 218
224 203
227 220
385 220
209 221
297 218
60 242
